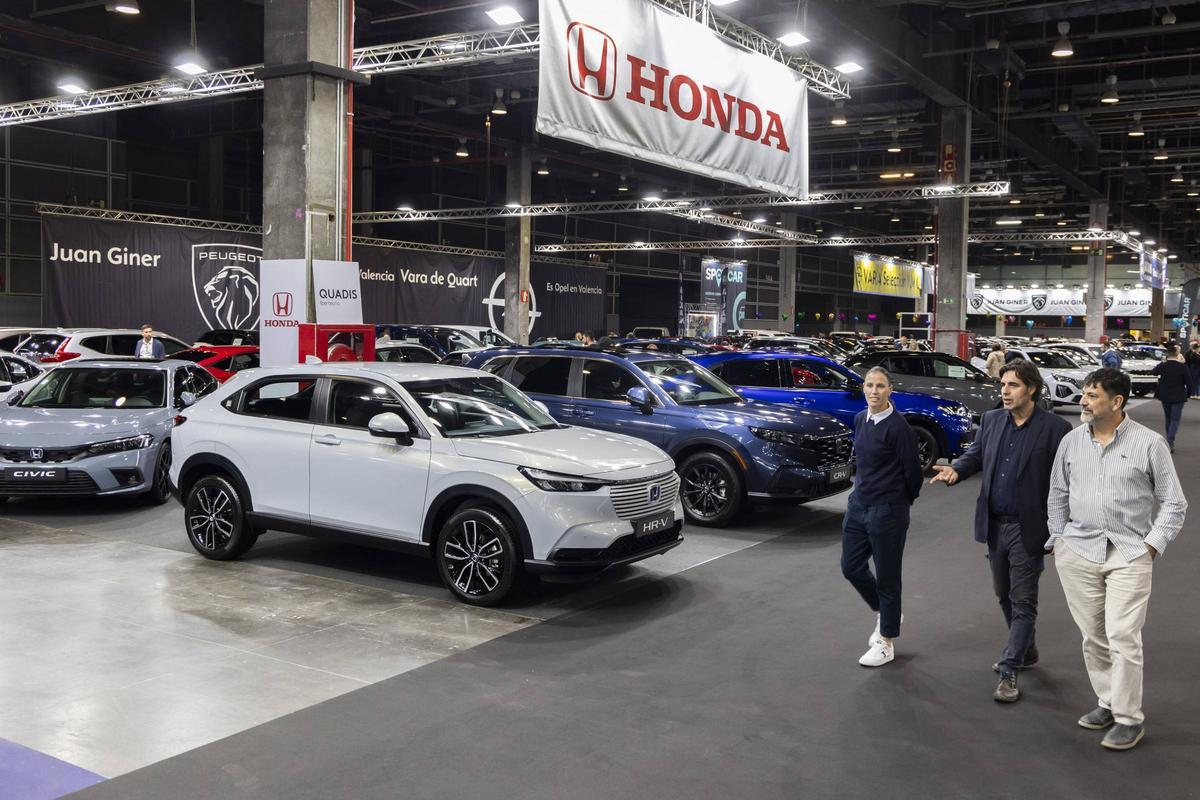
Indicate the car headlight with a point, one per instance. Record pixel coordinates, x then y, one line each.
957 410
779 437
121 445
557 482
1065 379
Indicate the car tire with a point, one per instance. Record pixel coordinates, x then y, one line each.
477 555
160 485
215 519
927 447
712 491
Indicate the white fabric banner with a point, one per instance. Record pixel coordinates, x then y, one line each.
632 78
1064 302
339 298
283 304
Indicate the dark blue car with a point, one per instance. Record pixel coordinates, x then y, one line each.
729 452
943 427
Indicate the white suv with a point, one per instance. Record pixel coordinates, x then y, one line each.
444 461
54 346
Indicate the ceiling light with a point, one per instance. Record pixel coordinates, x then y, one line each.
839 113
895 219
907 174
849 67
1062 223
998 249
1110 94
1168 18
1016 201
1008 221
505 15
858 208
462 151
543 168
721 2
928 227
793 39
1039 213
123 7
452 46
894 147
1178 176
512 205
623 186
1172 256
1108 286
760 220
889 176
1149 242
404 207
1033 286
651 197
1136 129
1135 233
1058 286
1161 153
1062 48
837 237
498 107
71 86
191 64
639 244
174 88
1161 250
1093 228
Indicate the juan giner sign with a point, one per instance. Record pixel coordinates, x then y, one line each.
636 79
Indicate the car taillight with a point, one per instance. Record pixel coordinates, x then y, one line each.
58 357
179 420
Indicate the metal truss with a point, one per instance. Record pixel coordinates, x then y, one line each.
437 51
821 79
693 244
151 219
697 205
423 247
737 223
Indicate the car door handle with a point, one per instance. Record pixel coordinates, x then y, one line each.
328 439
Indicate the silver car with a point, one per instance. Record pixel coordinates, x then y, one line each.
96 428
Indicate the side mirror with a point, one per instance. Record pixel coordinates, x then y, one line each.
187 399
639 397
542 407
855 389
5 386
389 425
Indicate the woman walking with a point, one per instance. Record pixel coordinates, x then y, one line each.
1193 364
1174 389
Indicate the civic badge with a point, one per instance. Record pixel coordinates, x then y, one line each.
36 453
655 493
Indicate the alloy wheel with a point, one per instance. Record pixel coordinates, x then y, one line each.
212 523
475 558
705 490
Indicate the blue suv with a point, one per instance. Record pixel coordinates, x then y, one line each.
943 427
729 452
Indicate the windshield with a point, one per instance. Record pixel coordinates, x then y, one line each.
689 384
99 388
484 406
1137 355
1081 357
41 344
451 340
1049 360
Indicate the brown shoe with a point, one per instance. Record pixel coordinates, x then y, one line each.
1006 689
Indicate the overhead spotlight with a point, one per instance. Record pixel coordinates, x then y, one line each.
894 147
849 67
793 39
191 64
1064 107
1058 286
1168 18
1161 153
1016 201
1039 213
1008 221
498 107
123 7
652 197
760 220
1136 128
895 219
1192 189
71 86
1178 176
505 15
404 207
462 151
1109 95
623 186
1062 48
543 168
1062 223
1149 242
1135 232
512 205
992 43
839 113
858 208
1094 228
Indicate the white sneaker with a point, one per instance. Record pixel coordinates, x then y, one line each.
880 653
875 634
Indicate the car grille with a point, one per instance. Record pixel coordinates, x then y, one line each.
829 451
631 545
632 500
50 455
78 482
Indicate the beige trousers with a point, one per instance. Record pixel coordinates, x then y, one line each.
1108 602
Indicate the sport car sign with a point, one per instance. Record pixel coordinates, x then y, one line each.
636 79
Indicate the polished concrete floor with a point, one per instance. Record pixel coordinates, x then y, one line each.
726 668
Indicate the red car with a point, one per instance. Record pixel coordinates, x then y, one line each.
221 362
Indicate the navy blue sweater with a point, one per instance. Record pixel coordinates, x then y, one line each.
889 469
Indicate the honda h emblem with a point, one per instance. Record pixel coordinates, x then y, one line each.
592 57
36 453
283 304
655 493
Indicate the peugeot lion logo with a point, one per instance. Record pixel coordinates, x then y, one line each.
225 284
36 453
283 304
584 41
976 301
655 493
1039 301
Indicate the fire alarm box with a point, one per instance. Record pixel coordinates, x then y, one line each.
966 345
336 342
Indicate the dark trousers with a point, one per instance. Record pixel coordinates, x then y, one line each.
1195 381
1171 414
1015 576
876 532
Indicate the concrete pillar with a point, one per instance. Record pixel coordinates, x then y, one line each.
364 187
303 133
518 245
789 260
1157 314
212 172
1097 274
951 311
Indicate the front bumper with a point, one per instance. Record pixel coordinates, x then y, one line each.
803 483
624 550
128 472
1066 394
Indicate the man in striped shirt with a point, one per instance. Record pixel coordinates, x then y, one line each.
1108 476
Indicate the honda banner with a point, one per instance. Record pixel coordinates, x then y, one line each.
284 307
1065 302
183 281
634 78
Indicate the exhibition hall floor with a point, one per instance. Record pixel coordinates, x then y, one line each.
727 668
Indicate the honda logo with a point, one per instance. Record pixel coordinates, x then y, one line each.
592 58
655 493
283 304
36 454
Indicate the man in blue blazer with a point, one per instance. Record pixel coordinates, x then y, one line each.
1015 450
148 346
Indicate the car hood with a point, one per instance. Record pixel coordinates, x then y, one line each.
1080 374
769 415
66 427
571 451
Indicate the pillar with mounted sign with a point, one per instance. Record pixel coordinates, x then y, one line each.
518 244
1157 314
1097 273
950 313
789 259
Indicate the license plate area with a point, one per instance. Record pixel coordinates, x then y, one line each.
656 524
35 474
840 474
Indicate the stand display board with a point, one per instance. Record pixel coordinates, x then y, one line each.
723 290
1065 302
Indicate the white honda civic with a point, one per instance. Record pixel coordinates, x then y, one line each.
444 461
